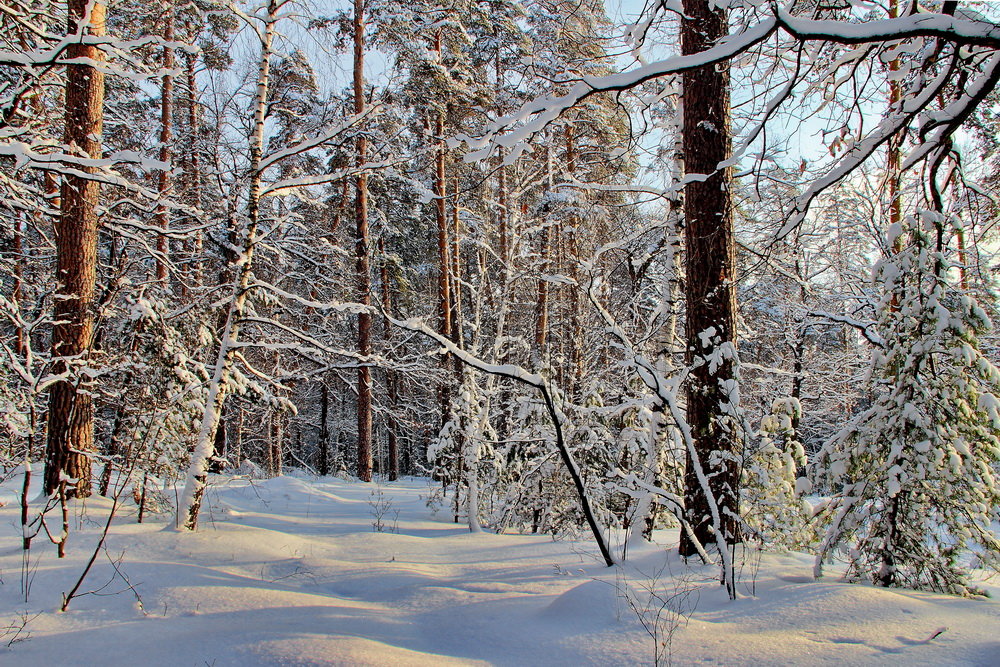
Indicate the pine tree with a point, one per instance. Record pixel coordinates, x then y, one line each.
71 417
362 257
915 475
711 495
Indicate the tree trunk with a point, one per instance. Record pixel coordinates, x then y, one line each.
324 430
503 214
220 443
456 275
362 265
194 161
444 258
194 488
390 377
894 158
166 127
710 287
71 418
20 343
542 305
276 444
577 339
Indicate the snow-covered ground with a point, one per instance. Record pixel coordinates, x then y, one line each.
290 571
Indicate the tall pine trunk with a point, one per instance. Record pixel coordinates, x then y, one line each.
444 258
194 160
542 303
362 262
577 339
392 427
166 134
71 413
323 463
710 287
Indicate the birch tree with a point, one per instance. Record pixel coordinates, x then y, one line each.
194 487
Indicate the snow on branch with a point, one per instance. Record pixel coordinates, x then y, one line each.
503 370
867 329
515 130
52 55
948 120
536 115
862 150
555 414
349 307
27 155
319 139
279 187
963 31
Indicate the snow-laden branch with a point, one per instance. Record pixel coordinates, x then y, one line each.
535 116
514 131
867 329
675 503
348 307
948 120
957 30
862 150
319 139
279 187
52 54
25 154
303 337
539 383
666 392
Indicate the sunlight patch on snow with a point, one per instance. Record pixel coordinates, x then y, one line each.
289 571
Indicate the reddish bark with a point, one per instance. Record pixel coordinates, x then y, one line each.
71 418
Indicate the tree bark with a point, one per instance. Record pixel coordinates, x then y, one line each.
194 488
194 161
456 273
276 444
71 418
390 376
444 257
362 263
20 342
324 430
710 286
542 305
577 339
166 134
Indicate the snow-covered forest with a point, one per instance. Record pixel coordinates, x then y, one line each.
658 295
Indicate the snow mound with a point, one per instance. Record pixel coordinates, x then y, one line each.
593 602
291 571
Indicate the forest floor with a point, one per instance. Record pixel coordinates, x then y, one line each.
290 571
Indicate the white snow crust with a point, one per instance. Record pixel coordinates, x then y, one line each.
289 571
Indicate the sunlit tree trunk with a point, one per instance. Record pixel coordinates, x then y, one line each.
576 340
194 488
194 159
20 343
542 303
323 464
166 134
71 417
